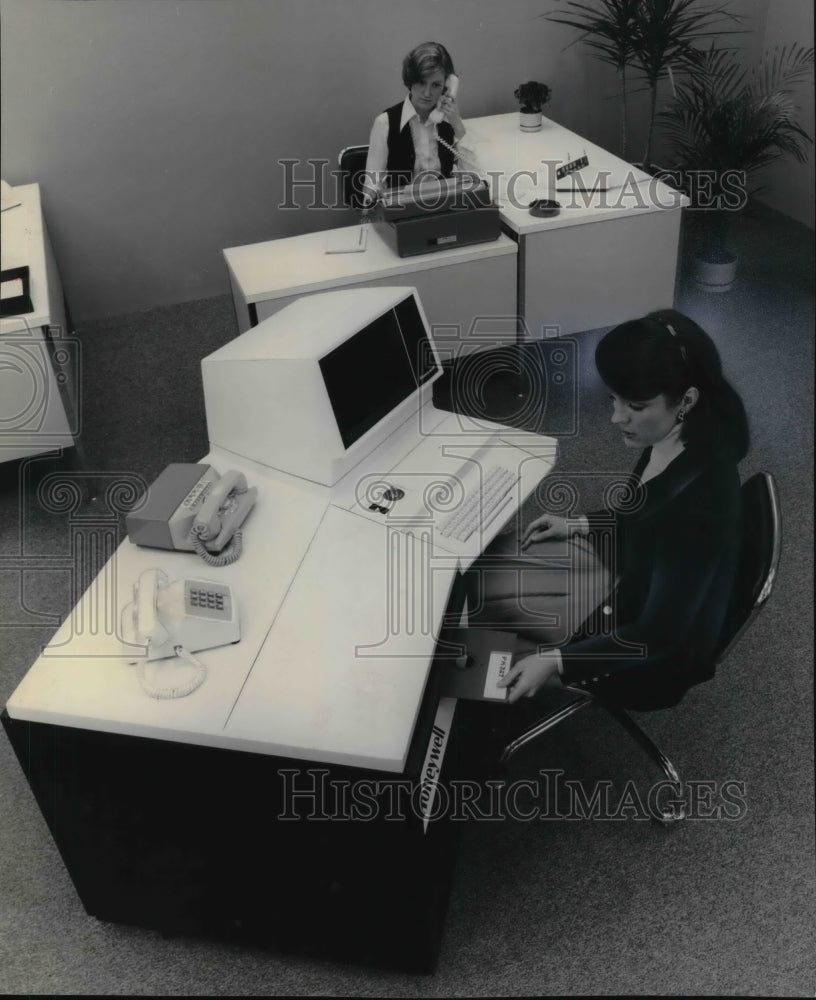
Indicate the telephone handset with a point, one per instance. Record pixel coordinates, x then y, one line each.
176 620
451 89
192 508
219 517
464 157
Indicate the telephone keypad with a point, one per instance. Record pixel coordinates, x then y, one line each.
208 600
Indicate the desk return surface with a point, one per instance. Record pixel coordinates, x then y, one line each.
339 614
611 251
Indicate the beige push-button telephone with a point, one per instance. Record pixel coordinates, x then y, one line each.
192 508
176 620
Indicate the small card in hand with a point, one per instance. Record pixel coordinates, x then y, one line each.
473 661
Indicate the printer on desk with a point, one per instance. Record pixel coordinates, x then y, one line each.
413 223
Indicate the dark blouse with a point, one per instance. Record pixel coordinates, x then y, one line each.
673 549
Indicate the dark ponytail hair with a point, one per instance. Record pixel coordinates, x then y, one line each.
667 353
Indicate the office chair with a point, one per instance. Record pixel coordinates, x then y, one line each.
755 577
351 162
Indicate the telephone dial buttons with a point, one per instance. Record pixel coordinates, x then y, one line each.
207 600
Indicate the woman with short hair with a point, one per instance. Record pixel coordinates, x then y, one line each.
405 140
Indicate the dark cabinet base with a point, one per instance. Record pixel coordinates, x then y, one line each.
244 847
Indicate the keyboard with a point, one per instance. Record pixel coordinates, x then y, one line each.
481 505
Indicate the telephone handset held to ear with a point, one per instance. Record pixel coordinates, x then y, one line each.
451 90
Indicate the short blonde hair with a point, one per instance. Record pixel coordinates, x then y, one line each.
425 59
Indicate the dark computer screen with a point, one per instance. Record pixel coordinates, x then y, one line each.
376 369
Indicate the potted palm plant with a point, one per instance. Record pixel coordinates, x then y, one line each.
606 28
645 39
532 96
724 124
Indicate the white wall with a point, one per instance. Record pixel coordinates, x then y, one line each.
155 127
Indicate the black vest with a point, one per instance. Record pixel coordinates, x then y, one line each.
401 154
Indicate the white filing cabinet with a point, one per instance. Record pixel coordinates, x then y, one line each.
39 360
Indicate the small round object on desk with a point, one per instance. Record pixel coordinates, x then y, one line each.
393 493
544 208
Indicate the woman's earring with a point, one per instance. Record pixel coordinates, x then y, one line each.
681 416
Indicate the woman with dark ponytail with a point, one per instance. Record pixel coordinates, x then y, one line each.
642 362
637 615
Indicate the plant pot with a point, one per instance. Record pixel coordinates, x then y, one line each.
715 274
530 121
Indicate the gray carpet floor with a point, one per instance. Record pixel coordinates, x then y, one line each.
712 907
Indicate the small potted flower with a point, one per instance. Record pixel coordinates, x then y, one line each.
532 96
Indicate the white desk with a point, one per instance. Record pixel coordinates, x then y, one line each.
324 670
38 399
607 256
208 813
455 286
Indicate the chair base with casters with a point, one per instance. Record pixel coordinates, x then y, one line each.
655 754
760 547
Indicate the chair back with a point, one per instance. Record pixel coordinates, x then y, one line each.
761 538
351 163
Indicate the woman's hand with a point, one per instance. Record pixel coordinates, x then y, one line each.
448 105
546 528
529 674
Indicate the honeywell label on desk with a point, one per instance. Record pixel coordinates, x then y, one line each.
434 758
497 667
